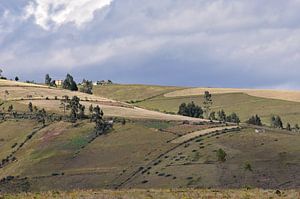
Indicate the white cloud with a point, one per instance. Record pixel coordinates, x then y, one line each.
249 41
54 13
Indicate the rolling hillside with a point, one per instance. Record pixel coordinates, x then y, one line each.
245 102
148 149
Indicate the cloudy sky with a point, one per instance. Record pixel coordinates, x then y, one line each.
224 43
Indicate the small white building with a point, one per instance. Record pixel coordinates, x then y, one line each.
58 82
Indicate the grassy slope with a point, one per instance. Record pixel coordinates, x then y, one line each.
130 92
113 158
12 132
273 157
240 103
61 147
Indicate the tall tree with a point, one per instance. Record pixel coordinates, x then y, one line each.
48 79
98 119
30 107
207 103
73 105
69 83
64 103
16 78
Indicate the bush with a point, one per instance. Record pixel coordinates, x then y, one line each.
221 155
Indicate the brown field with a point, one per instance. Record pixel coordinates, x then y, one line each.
270 94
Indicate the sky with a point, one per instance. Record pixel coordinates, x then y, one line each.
215 43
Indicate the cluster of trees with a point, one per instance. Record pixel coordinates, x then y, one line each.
255 120
191 110
222 117
86 87
69 83
49 81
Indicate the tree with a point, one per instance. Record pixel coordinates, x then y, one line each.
73 105
207 103
255 120
81 114
191 110
69 83
64 102
16 78
10 108
222 116
30 107
48 80
87 87
221 155
1 71
41 116
91 108
212 116
288 127
182 109
98 119
297 127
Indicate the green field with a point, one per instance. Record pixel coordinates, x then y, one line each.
244 105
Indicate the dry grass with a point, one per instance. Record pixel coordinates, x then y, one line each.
162 194
270 94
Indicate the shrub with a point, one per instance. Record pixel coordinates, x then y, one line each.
221 155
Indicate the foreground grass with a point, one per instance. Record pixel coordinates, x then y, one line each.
160 194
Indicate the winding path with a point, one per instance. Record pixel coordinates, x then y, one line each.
195 134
